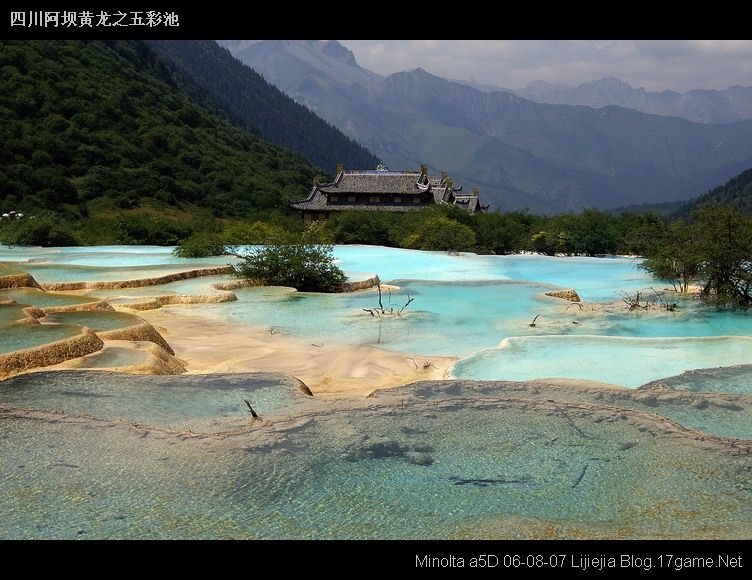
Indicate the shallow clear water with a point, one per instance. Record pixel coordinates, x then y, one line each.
723 415
51 273
20 336
431 469
114 356
11 313
175 402
594 278
731 379
624 361
40 299
96 319
200 285
444 318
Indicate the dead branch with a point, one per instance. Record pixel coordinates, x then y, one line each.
634 303
250 409
373 312
669 306
409 300
532 324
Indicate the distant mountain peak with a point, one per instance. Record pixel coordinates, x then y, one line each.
292 64
701 105
610 82
334 49
544 86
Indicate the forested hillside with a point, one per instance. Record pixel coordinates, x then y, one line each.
736 193
261 107
106 126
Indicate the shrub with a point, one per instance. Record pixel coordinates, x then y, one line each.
44 230
258 232
201 245
441 233
305 267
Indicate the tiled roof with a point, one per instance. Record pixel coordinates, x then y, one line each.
390 182
317 201
384 183
467 201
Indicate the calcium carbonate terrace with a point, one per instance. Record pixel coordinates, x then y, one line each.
570 453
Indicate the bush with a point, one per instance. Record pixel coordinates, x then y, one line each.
305 267
258 232
201 245
317 233
44 230
441 233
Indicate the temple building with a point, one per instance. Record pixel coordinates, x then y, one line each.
383 190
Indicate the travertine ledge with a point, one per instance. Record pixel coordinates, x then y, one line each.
142 331
138 283
97 306
169 299
18 281
50 354
252 283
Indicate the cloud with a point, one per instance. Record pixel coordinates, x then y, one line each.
655 64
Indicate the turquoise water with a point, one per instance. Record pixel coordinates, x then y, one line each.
462 303
20 336
102 256
623 361
52 273
98 263
444 318
458 318
594 278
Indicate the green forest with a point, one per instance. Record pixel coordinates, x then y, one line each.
102 143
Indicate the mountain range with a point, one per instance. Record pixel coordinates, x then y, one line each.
700 105
522 154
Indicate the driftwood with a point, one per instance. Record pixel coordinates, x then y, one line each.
670 306
635 303
381 311
250 409
426 364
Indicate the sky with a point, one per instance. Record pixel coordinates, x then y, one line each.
657 65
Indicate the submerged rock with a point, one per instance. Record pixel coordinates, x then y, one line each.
567 294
